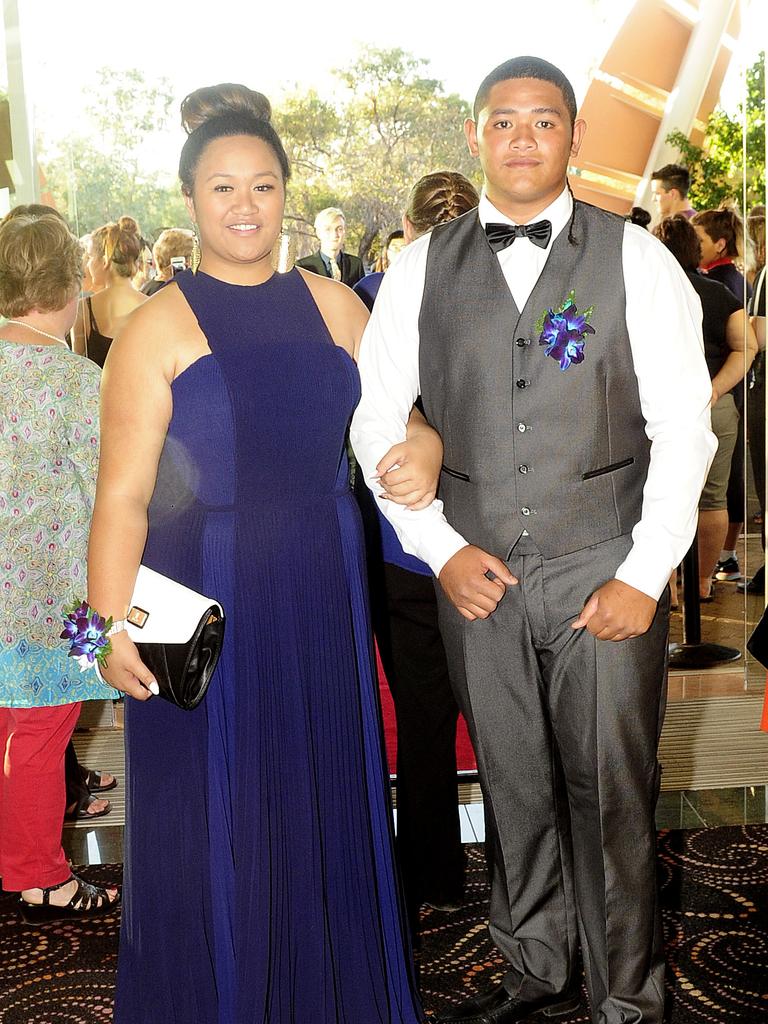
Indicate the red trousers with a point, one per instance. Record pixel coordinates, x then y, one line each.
33 795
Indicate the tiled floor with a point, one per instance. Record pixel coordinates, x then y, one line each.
745 805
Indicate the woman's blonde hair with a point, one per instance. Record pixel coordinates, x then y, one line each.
172 242
438 198
41 263
119 245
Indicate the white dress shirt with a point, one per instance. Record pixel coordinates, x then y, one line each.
663 318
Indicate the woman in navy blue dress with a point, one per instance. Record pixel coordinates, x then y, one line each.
259 882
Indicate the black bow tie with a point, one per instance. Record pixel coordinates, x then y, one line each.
502 235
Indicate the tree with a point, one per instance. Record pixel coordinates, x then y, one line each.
362 152
393 125
98 181
717 167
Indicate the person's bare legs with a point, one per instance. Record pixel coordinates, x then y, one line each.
713 527
732 536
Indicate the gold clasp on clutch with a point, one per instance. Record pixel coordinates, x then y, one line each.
137 617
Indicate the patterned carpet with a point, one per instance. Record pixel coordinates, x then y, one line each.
714 895
714 885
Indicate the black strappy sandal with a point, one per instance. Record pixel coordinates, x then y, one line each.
92 780
80 810
88 901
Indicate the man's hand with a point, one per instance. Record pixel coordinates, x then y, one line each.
617 611
466 585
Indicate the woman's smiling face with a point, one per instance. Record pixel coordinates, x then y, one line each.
237 203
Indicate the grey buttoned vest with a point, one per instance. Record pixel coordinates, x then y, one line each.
562 454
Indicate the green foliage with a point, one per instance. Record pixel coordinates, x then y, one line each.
393 125
95 183
717 167
390 125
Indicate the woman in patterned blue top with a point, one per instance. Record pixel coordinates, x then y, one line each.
48 459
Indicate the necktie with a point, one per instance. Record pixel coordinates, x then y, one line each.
502 235
335 270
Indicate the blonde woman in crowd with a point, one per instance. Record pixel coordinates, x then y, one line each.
90 286
115 251
173 243
49 430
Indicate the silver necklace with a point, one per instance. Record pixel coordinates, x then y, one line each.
45 334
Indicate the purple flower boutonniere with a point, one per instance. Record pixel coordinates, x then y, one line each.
564 332
87 632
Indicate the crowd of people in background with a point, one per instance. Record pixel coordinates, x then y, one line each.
722 252
65 302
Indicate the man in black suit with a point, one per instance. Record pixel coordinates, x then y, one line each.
331 261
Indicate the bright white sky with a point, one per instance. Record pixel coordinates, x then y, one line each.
279 45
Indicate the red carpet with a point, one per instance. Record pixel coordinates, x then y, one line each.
465 755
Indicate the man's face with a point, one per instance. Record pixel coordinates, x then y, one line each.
524 140
663 200
331 234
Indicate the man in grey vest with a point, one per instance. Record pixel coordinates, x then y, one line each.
558 352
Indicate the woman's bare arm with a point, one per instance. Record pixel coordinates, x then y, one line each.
418 460
135 411
78 331
743 345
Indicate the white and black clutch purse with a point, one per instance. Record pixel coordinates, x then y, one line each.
179 634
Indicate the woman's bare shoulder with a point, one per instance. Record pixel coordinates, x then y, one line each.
163 329
166 309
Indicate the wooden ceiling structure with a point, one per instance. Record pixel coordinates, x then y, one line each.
663 71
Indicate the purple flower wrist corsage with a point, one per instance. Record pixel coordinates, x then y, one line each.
87 632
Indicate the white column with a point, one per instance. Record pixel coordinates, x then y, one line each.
692 81
23 167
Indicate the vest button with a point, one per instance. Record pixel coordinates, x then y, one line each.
523 469
522 342
522 427
525 510
522 383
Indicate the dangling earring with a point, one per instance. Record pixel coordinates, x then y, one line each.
197 255
283 254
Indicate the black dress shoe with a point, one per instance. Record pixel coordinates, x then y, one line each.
499 1007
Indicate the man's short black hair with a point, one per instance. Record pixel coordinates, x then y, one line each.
673 176
526 67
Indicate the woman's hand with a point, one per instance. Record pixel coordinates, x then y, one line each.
410 471
125 670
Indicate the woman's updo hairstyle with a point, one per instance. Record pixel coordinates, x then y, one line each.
438 198
120 245
218 111
679 236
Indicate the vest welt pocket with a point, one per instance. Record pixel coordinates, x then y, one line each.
607 469
455 473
